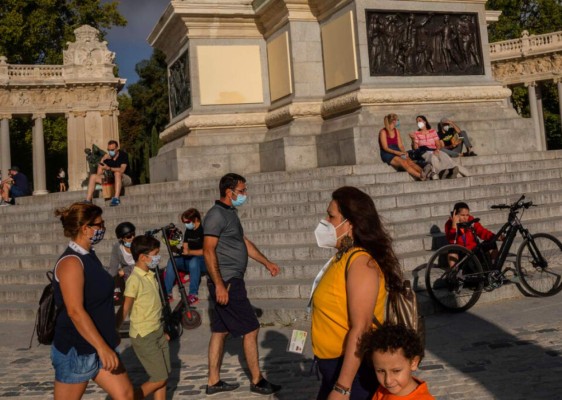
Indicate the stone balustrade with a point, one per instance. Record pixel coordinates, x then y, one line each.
526 45
26 72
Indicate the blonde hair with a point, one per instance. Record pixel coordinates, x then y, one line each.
388 119
76 216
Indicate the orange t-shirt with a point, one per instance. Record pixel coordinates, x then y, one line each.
330 319
420 393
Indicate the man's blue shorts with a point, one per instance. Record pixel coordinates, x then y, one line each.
16 192
237 317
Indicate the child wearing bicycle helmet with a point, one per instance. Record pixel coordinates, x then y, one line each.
121 261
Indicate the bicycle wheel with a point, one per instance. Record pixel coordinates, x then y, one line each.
456 284
539 265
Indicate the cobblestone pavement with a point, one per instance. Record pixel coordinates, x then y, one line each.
504 350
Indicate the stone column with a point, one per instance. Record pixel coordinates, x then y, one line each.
5 153
76 139
540 112
559 86
534 113
39 174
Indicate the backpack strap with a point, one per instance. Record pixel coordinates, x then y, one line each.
375 320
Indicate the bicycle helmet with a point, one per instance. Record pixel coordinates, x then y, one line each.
124 228
175 236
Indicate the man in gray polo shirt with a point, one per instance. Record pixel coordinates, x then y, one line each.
226 252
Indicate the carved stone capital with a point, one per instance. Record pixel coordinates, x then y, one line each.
38 116
5 116
289 112
78 114
106 113
405 96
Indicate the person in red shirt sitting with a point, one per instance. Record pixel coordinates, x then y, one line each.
465 237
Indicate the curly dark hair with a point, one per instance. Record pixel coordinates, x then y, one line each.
391 338
369 233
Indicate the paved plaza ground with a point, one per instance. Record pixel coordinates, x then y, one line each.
510 349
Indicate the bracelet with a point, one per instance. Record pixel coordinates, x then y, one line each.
342 390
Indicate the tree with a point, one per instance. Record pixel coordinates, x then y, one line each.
36 32
536 17
145 112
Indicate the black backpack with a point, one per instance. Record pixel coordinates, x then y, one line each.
46 314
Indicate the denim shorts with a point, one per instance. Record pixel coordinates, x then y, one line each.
74 368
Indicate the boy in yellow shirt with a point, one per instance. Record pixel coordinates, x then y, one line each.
142 300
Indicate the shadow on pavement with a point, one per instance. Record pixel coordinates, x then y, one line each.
525 366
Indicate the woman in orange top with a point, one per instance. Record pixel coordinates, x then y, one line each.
349 291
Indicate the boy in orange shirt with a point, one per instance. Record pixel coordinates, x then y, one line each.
396 352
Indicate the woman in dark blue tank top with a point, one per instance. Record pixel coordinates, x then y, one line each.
85 335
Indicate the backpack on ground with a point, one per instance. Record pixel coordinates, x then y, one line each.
46 314
402 309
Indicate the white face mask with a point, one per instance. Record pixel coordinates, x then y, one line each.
154 261
421 124
326 236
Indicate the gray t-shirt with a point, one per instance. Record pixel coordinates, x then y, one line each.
232 255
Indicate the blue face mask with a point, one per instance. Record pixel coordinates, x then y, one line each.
190 226
397 124
111 153
241 199
98 236
127 244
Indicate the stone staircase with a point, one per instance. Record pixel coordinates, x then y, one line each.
280 216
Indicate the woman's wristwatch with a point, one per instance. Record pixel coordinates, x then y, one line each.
342 390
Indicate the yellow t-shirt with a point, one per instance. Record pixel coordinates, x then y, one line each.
147 308
330 321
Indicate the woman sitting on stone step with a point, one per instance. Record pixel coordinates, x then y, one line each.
392 149
427 140
349 291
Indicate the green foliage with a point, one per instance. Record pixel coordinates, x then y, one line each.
537 17
143 113
36 31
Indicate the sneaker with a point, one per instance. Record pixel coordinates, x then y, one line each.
426 172
221 386
3 203
12 201
264 387
192 299
114 202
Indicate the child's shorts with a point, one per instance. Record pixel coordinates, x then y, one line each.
73 367
153 352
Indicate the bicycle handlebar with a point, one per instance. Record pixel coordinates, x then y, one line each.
515 206
467 224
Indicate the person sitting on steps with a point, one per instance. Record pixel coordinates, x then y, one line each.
464 236
117 162
15 185
392 149
453 139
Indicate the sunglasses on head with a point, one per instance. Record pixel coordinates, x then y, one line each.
129 235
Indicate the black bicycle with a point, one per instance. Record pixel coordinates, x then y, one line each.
456 276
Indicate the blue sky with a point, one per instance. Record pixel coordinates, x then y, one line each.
129 43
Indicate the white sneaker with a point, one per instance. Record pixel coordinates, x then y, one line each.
3 203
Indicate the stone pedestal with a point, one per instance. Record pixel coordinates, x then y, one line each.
293 85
